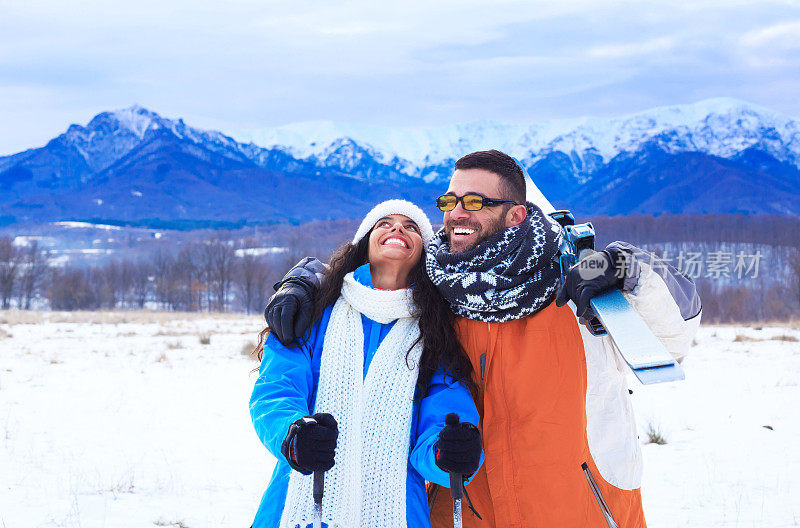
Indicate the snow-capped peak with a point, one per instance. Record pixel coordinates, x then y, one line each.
720 126
110 135
135 118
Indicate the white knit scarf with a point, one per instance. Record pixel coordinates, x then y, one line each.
367 485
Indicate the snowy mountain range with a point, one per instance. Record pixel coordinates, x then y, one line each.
720 127
133 165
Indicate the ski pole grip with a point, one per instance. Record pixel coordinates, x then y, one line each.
319 486
456 480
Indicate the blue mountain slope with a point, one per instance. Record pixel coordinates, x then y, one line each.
653 181
133 164
170 178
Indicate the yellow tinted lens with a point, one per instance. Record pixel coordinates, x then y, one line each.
446 202
472 202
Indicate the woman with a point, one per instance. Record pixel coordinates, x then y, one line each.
365 395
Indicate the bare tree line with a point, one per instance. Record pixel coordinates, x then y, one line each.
744 304
200 276
769 230
23 271
218 274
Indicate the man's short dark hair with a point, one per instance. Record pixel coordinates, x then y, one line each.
511 175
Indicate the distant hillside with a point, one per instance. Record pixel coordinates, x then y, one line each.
135 166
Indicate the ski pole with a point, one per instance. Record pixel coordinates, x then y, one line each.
319 487
456 481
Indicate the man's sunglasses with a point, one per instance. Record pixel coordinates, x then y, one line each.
470 202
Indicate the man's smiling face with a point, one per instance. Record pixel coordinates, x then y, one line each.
466 229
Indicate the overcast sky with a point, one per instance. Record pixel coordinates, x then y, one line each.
256 63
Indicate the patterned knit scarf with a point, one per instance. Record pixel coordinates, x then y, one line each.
367 485
512 274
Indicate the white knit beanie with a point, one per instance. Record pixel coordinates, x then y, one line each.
390 207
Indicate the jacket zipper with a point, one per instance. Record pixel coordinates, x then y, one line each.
599 497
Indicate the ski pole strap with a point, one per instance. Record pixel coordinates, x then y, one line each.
435 492
469 503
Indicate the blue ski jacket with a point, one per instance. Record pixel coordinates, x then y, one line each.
286 390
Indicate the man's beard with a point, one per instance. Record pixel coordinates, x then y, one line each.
483 233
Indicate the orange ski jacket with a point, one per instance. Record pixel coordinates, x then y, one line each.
556 417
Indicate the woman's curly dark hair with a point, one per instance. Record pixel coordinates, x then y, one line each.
440 345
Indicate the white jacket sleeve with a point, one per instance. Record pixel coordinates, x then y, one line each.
665 298
656 304
668 303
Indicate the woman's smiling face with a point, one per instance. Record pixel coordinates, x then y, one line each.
395 240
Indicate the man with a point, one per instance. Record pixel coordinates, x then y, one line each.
557 425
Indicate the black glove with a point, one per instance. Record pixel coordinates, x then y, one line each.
310 443
458 449
288 312
591 276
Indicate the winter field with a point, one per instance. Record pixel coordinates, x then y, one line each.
127 419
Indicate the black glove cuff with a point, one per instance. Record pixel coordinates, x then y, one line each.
286 445
619 263
308 273
302 282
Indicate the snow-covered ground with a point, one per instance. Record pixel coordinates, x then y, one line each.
732 430
127 420
129 425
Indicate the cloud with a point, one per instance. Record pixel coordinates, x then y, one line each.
633 49
256 63
785 35
773 46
